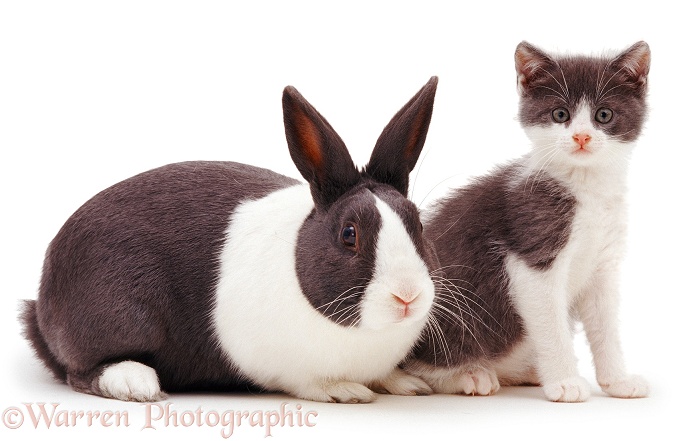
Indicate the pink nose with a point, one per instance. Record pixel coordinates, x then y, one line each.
581 139
403 303
399 299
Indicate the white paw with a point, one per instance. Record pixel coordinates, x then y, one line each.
569 390
479 381
130 381
338 392
632 386
401 383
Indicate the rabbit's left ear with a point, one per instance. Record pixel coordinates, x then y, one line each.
317 150
399 146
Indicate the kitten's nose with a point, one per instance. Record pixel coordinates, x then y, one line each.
581 139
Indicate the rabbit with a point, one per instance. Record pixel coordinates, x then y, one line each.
203 276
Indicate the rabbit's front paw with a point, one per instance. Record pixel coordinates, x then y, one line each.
401 383
338 392
479 381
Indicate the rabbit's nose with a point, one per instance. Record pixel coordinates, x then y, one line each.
404 301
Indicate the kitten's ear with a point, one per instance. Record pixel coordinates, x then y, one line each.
634 64
530 64
317 150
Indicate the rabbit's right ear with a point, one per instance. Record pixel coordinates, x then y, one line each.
317 150
399 146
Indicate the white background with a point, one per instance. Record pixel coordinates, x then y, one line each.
94 92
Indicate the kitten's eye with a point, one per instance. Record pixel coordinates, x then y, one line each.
603 115
348 236
560 115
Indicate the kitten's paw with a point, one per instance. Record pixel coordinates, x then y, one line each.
401 383
569 390
338 392
130 381
632 386
479 381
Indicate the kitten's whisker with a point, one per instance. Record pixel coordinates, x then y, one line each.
597 86
549 160
558 93
456 221
617 137
416 176
546 150
557 81
566 86
556 97
549 154
613 88
612 96
602 90
436 186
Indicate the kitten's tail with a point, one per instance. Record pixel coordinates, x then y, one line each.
32 333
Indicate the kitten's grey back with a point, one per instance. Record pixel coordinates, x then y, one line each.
473 230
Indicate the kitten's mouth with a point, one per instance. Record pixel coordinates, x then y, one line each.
581 151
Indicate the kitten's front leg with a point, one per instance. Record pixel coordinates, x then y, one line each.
598 309
542 300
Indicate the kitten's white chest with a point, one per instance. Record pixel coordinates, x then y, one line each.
597 237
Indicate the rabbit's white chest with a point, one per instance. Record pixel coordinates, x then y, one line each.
263 321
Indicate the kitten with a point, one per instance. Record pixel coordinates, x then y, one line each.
534 246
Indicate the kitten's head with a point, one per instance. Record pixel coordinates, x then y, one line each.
581 110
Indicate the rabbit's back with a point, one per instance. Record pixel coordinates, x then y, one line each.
137 266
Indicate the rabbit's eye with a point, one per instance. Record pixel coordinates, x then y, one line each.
348 236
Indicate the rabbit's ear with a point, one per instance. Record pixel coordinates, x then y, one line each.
399 146
317 150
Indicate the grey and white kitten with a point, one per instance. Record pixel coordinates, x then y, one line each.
535 246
